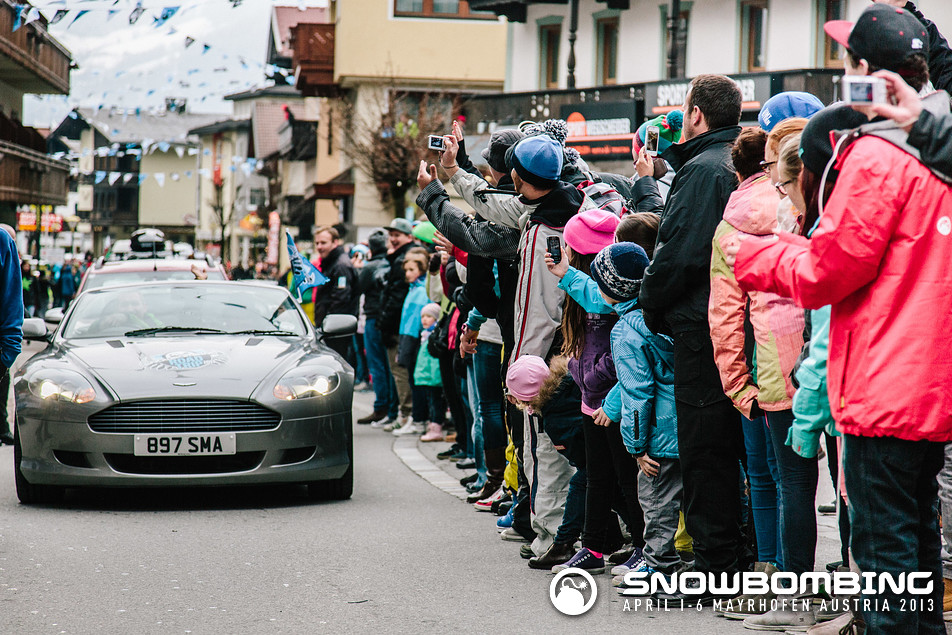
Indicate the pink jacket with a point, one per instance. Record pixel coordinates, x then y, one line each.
777 322
881 257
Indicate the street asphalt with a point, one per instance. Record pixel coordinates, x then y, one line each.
402 556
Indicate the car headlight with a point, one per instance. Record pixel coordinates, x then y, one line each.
305 383
59 384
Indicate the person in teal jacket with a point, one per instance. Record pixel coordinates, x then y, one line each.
643 399
408 345
426 375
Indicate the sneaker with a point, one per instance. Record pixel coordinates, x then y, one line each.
362 387
622 555
744 606
511 535
466 463
466 480
450 437
827 510
584 559
486 504
636 557
525 551
396 424
846 624
384 424
505 522
373 417
410 428
782 620
434 432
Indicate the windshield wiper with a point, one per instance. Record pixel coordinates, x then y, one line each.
262 332
171 329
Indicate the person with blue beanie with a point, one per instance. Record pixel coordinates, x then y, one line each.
786 106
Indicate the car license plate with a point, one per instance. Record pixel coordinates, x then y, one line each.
184 444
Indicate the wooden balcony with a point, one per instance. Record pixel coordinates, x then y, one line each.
30 59
28 177
313 59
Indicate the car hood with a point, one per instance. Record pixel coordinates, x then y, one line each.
227 367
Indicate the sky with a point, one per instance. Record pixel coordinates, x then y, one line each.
131 66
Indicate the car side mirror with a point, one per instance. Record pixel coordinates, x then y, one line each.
34 329
338 325
54 316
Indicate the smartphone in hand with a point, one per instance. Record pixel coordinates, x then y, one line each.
652 134
554 246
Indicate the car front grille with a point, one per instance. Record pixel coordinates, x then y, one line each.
189 465
184 416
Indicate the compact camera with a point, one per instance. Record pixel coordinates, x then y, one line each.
435 142
863 90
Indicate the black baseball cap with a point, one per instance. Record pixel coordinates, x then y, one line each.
883 35
816 140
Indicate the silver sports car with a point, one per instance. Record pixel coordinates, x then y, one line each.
184 383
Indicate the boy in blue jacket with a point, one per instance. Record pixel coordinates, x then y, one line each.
643 398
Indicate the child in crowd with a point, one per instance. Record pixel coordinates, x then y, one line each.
643 402
611 470
414 268
426 375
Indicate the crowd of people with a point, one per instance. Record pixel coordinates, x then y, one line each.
645 370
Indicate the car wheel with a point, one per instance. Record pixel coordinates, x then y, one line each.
28 493
337 489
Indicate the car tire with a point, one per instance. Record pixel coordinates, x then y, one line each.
337 489
28 493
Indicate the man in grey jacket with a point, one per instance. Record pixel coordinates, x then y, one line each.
541 210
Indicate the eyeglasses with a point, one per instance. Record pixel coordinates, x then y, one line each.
782 187
765 165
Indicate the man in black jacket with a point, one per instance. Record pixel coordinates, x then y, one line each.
392 295
339 294
370 285
674 297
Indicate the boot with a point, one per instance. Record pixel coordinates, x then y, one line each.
373 417
495 471
558 553
947 600
434 432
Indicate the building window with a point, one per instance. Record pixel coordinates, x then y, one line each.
754 35
549 36
438 9
606 31
257 198
681 44
831 52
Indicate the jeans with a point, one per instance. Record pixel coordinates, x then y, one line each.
610 468
435 404
487 364
843 516
451 386
573 516
798 480
893 493
377 366
763 476
360 359
476 447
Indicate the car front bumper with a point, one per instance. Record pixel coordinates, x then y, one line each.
71 454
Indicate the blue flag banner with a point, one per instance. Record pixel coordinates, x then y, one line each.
306 275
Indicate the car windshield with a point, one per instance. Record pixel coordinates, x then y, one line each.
157 310
109 279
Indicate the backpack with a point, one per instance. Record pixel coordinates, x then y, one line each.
605 197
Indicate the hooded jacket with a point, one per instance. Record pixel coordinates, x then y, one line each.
643 398
677 283
880 256
559 405
777 322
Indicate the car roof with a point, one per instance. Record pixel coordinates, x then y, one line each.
146 264
178 283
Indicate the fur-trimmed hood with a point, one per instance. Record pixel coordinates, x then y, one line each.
558 370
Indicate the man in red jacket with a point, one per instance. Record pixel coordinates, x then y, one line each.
880 257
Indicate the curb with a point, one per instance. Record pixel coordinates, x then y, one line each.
407 451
